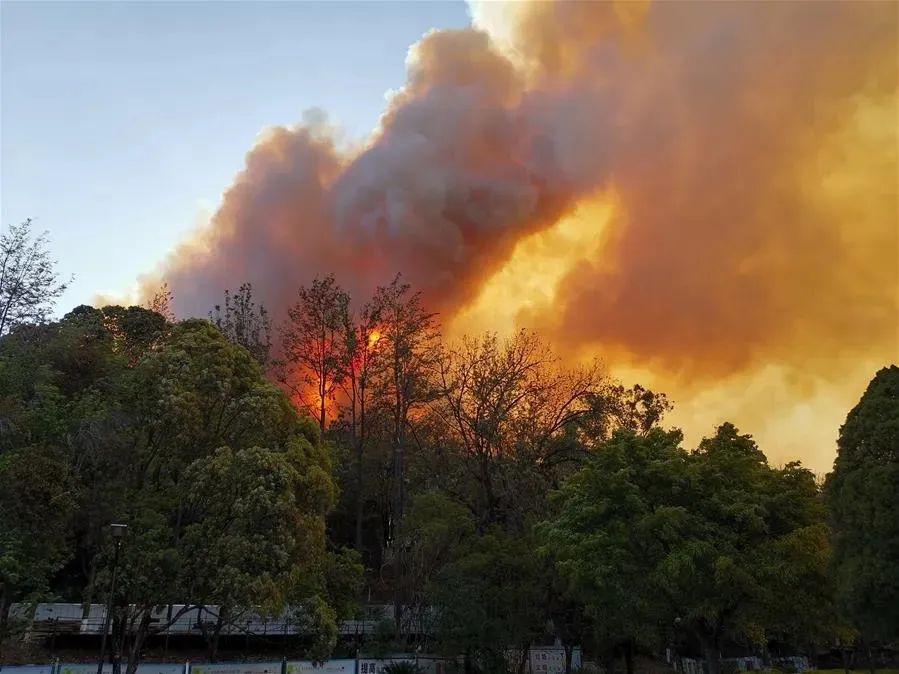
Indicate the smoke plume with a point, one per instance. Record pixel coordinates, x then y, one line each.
703 194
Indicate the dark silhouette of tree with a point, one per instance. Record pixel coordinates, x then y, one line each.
409 349
315 346
161 302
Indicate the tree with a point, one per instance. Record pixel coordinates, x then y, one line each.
36 505
614 407
864 510
759 535
161 303
488 602
225 488
245 324
223 485
361 339
29 284
60 397
505 404
408 346
713 539
315 350
615 521
437 530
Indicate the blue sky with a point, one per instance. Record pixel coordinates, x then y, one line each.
122 122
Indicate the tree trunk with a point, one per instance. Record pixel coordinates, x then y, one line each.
89 589
216 633
608 662
812 652
847 659
711 653
5 604
569 648
525 657
467 664
359 496
871 667
629 656
398 526
137 643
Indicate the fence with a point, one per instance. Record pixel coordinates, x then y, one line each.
429 665
59 618
795 663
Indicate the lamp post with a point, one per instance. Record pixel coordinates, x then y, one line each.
118 534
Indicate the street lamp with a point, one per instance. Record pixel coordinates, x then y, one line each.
117 531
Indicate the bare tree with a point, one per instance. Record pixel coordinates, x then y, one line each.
362 340
29 284
314 345
243 323
506 402
161 302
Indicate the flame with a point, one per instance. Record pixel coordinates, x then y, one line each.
373 338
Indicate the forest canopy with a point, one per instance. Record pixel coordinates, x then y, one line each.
494 495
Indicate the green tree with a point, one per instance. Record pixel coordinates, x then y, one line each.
58 400
616 521
437 531
226 488
488 602
713 539
864 510
36 505
29 284
120 417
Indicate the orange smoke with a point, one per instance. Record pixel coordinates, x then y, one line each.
704 194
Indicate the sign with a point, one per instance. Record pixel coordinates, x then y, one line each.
329 667
236 668
142 668
27 669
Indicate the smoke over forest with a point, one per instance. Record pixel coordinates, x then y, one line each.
704 195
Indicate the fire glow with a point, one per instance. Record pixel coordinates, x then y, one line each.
703 195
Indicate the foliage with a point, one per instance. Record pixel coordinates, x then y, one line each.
616 520
224 487
864 510
36 504
499 497
714 539
489 599
29 283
